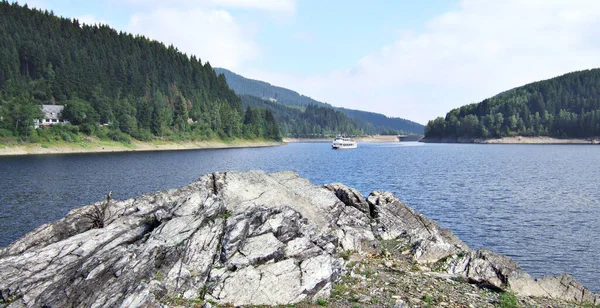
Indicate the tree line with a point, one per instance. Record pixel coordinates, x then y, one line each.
312 121
113 84
384 125
369 122
567 106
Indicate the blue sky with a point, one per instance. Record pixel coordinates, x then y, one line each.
410 59
330 35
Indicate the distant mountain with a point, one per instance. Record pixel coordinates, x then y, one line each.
242 85
312 121
382 122
567 106
379 122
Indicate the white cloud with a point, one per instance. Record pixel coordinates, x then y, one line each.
212 35
268 5
463 56
205 28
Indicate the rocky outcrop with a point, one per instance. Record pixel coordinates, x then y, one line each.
424 238
235 238
493 270
567 288
350 197
238 238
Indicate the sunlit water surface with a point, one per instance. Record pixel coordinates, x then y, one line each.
539 204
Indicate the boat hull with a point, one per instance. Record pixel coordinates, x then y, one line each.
344 147
340 143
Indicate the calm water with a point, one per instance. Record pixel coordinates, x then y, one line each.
539 204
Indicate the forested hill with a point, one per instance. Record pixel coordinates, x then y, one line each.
135 86
313 121
242 85
567 106
379 123
383 123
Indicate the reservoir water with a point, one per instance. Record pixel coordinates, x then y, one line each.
539 204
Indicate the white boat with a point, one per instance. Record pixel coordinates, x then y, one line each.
343 143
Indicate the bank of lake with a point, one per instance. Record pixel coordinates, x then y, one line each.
95 145
513 140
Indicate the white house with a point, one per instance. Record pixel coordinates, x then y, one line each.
52 116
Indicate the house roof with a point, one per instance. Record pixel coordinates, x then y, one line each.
52 111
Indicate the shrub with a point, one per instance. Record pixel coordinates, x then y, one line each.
99 214
345 254
89 128
119 136
428 299
34 138
322 302
4 133
508 300
68 133
102 132
143 134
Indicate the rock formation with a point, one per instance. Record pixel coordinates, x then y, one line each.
239 238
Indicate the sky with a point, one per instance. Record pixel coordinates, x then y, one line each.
411 59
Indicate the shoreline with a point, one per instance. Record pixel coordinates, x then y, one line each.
513 140
97 146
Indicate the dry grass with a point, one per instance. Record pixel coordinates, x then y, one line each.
99 213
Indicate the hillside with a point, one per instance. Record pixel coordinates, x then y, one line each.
113 84
383 123
368 120
567 106
264 90
312 121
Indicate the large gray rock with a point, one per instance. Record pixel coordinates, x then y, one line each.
235 238
494 270
395 220
567 288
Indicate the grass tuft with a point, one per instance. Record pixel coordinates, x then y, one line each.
508 300
322 302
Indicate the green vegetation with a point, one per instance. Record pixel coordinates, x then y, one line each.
429 300
261 89
4 302
322 302
508 300
339 290
345 254
114 85
564 107
180 301
384 125
224 215
312 121
368 122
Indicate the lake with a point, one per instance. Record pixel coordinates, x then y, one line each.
539 204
